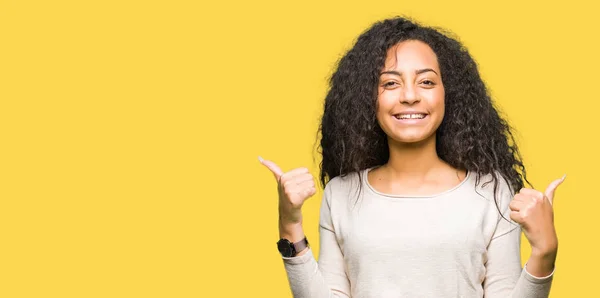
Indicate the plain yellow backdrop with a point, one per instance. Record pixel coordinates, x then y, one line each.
130 130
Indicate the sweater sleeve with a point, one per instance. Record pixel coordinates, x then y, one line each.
327 278
504 275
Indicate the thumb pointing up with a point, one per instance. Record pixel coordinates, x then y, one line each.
552 188
274 168
294 187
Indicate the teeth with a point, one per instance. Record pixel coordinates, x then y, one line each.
411 116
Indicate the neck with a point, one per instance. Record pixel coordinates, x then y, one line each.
413 159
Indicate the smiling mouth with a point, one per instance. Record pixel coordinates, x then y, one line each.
410 116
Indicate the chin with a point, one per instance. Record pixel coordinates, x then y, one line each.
411 139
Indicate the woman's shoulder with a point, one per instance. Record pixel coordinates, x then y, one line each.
345 182
485 186
345 186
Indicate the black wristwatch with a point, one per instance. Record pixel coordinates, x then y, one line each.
289 249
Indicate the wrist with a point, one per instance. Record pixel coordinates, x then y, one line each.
291 231
549 250
541 263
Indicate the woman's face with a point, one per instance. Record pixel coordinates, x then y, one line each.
410 97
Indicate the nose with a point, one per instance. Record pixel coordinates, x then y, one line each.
408 95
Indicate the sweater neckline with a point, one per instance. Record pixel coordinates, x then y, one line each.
445 192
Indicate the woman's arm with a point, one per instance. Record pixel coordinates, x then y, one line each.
327 278
530 211
504 275
308 278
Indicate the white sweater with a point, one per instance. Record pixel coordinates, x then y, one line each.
454 244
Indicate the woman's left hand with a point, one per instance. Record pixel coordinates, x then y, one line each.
533 210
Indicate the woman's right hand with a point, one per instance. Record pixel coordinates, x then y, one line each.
294 188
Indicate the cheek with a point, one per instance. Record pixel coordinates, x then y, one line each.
386 101
438 102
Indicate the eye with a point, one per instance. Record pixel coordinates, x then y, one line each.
390 84
428 82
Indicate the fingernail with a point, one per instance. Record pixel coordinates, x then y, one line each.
563 177
260 159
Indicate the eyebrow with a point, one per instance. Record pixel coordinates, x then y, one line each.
418 72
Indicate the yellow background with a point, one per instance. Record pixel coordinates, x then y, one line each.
130 130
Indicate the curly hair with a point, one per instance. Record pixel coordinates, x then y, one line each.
472 135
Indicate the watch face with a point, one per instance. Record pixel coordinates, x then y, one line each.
285 248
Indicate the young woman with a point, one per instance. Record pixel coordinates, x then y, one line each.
420 175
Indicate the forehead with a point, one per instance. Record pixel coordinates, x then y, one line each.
410 54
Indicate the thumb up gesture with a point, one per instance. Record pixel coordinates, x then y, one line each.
294 188
533 210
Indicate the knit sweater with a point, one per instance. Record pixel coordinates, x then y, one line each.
453 244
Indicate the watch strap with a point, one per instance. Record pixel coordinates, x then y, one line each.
301 245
